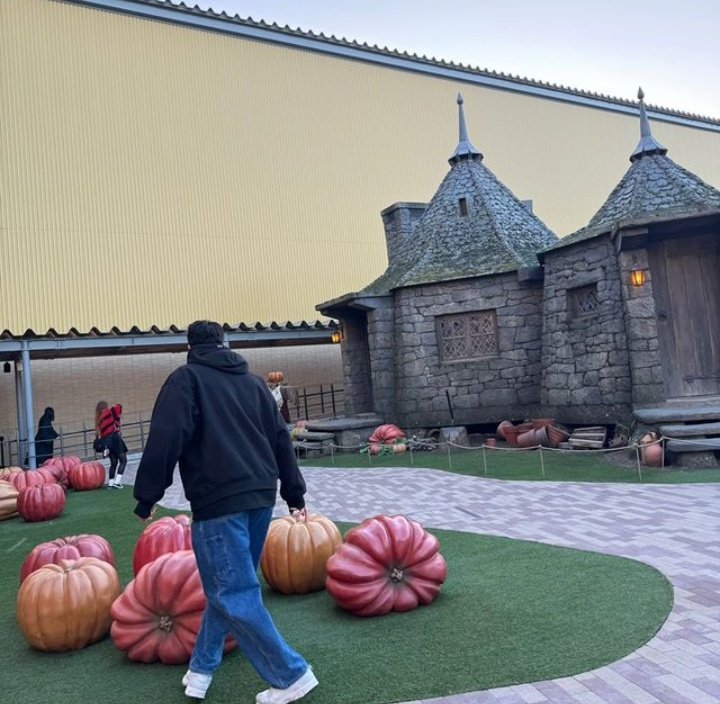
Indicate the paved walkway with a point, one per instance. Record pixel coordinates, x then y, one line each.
675 528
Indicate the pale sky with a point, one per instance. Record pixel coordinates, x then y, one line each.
669 47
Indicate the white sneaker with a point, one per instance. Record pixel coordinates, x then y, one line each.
196 685
118 481
111 483
295 691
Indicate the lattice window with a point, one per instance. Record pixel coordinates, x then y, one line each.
467 335
583 300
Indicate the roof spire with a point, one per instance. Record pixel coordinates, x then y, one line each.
647 144
465 148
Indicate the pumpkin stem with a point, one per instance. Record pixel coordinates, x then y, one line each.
396 574
166 624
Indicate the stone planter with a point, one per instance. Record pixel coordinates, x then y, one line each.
556 436
511 435
527 439
500 432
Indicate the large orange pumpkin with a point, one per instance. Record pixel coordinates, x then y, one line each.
71 547
167 534
295 553
41 503
87 476
158 615
8 501
67 606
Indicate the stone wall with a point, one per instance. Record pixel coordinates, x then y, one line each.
505 385
586 369
356 363
381 323
648 383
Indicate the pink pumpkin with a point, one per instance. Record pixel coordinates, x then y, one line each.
41 503
87 476
387 563
71 547
168 534
31 477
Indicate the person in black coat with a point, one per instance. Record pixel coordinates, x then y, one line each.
45 436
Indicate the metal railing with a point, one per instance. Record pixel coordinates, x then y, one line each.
325 401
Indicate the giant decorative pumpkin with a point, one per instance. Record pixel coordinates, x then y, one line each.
87 476
58 471
31 477
67 606
296 552
167 534
158 615
71 547
387 434
387 563
41 503
8 501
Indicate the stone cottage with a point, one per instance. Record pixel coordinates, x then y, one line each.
483 314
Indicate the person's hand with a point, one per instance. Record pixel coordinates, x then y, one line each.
299 514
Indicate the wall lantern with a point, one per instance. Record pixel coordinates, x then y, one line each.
7 368
336 336
637 276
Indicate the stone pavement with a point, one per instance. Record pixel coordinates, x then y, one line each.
675 528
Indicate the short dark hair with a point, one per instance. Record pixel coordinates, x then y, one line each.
205 332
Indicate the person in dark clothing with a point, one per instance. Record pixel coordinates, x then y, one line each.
222 426
107 432
45 436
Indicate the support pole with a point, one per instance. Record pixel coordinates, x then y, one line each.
22 429
29 420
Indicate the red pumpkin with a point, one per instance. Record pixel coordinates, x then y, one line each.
72 547
67 606
87 476
158 615
57 469
65 462
387 563
31 477
167 534
387 433
41 503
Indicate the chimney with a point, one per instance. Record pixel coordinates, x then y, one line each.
399 221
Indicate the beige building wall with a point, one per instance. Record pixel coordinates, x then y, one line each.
73 386
155 174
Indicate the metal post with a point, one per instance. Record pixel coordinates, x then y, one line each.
332 453
20 406
448 449
332 399
322 400
62 443
305 402
85 443
542 463
637 457
142 432
484 459
29 420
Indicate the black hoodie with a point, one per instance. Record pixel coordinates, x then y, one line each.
223 427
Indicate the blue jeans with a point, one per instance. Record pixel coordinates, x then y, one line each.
228 552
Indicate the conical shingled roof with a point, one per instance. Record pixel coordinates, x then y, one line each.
498 233
653 189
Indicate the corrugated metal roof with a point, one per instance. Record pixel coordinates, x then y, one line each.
331 40
154 330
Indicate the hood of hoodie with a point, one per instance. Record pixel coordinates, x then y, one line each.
218 358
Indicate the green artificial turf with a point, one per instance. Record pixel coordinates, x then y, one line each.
574 466
510 612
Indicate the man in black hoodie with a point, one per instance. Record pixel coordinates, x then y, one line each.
223 428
